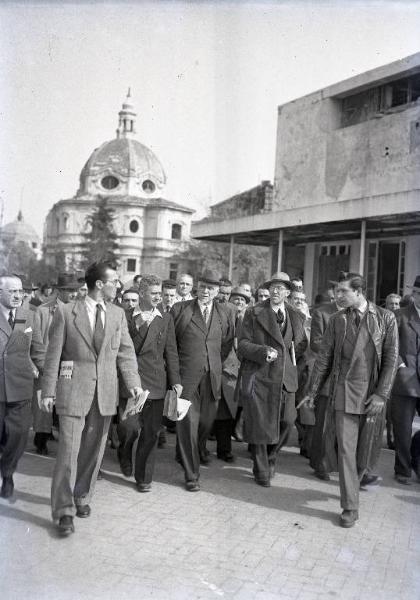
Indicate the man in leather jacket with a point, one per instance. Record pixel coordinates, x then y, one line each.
360 351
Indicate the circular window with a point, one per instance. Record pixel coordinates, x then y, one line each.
109 182
148 186
134 226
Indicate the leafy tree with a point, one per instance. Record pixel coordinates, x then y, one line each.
101 244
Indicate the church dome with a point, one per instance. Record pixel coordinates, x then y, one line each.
123 166
20 231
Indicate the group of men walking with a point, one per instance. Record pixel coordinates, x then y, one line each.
230 357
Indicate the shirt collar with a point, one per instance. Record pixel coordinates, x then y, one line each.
203 306
276 307
6 312
154 312
91 303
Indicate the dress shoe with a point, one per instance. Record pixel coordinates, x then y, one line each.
226 456
65 525
83 511
7 487
144 487
322 476
370 481
205 459
262 482
402 479
348 518
126 465
237 437
192 486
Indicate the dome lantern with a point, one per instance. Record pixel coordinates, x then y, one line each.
127 119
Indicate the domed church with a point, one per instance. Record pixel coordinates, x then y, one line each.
150 229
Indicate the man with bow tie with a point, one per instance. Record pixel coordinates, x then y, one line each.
271 341
359 350
88 339
20 348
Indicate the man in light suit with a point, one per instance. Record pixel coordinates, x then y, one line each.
17 373
204 331
87 340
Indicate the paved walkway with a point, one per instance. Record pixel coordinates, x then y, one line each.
233 540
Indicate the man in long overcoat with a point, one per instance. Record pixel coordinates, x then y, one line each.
271 341
360 351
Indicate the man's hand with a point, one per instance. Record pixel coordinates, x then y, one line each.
308 400
140 396
374 405
46 404
177 387
271 355
135 391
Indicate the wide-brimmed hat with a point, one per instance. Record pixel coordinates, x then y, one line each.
210 276
28 285
240 291
168 283
67 281
416 285
279 277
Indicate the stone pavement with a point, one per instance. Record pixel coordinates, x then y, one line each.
232 540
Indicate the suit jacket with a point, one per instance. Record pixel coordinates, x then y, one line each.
157 355
16 347
70 339
202 348
261 383
407 380
320 319
381 330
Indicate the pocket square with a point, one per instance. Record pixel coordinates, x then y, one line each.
28 330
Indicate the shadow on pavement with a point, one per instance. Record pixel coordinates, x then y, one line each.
409 499
11 512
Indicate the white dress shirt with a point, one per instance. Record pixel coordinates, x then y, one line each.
91 311
203 306
6 312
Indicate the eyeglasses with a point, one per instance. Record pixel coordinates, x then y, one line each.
12 292
278 288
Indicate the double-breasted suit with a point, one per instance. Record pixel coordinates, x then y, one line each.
20 350
201 349
267 389
361 361
158 366
406 390
86 397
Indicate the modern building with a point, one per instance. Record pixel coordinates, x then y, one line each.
150 228
346 185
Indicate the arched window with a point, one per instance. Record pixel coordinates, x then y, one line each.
176 232
134 226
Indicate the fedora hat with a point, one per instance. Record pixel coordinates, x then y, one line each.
416 285
240 291
67 281
210 276
279 277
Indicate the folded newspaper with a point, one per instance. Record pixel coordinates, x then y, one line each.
175 408
134 405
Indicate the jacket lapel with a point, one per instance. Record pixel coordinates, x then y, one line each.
414 319
109 326
21 317
4 325
152 332
197 318
266 317
81 323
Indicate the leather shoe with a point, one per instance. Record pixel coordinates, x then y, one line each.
144 487
348 518
402 479
192 486
370 481
7 487
126 465
263 482
205 459
65 525
322 476
226 456
83 511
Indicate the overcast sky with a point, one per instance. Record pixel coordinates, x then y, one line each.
206 80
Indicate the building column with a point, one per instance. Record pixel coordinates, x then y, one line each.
362 247
280 250
232 244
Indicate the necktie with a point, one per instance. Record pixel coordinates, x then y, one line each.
206 314
11 319
280 319
99 332
168 308
356 317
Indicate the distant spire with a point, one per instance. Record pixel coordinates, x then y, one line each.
20 216
127 118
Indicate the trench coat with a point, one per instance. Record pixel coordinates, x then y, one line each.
261 383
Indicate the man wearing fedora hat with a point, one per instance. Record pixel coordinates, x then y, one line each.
67 286
271 341
406 390
204 331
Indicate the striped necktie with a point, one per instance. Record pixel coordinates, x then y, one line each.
11 319
99 332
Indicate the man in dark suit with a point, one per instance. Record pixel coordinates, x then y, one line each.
359 350
204 332
271 341
153 336
321 460
87 340
18 342
406 390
